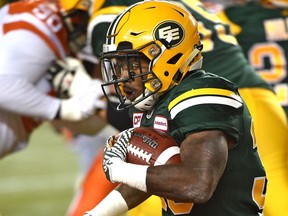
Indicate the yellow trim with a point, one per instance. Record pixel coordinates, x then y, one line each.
235 29
203 91
97 4
2 2
109 10
68 5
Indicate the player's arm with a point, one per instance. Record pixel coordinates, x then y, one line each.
119 201
24 60
133 196
204 156
22 65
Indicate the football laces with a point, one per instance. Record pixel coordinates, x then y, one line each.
140 153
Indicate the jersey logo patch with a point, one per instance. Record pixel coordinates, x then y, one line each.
161 123
137 117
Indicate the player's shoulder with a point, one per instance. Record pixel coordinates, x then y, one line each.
31 7
202 79
107 7
40 18
38 14
201 85
105 15
108 10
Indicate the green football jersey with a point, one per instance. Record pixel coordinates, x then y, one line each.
263 36
204 101
221 53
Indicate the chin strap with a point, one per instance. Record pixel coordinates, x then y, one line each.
197 65
147 103
195 52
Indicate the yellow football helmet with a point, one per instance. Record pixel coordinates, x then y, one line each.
164 32
2 2
76 14
69 5
277 3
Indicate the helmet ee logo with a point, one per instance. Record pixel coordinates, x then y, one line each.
170 31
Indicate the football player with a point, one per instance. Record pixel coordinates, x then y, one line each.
87 196
261 29
152 57
34 34
219 46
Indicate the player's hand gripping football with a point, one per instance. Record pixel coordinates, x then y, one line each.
115 151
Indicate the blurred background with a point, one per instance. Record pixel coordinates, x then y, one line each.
39 180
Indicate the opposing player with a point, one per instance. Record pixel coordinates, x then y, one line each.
156 71
33 35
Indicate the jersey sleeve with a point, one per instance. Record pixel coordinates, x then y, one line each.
39 17
216 105
32 36
24 60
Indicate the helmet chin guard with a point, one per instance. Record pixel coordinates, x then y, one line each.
147 103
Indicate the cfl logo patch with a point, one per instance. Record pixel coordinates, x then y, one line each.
172 32
137 117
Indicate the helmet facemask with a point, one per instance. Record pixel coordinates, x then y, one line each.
75 15
131 62
76 24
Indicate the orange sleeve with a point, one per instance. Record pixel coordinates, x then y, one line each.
94 188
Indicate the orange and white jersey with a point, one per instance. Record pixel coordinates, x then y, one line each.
32 35
39 17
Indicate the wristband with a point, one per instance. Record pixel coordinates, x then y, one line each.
133 175
112 205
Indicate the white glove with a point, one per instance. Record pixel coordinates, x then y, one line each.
84 103
115 150
68 77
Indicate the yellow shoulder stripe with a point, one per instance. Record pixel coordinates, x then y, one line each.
203 92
